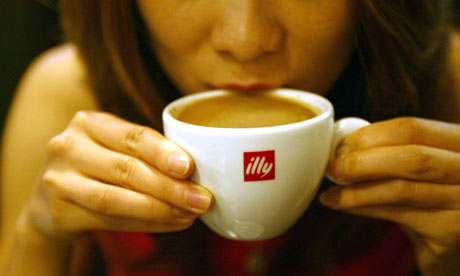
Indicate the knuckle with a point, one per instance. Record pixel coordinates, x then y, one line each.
403 191
49 179
133 137
60 144
410 129
155 212
418 160
102 201
51 184
80 118
54 198
124 170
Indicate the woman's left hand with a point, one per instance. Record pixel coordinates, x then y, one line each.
405 170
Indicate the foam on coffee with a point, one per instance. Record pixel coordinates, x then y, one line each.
245 110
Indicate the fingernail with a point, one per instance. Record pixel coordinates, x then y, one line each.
331 197
180 213
179 164
198 199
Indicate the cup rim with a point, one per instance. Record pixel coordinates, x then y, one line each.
319 102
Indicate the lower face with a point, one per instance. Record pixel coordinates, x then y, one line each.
250 44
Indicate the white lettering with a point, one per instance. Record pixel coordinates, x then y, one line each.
258 166
248 169
267 169
255 165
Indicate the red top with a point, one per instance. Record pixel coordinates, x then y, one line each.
123 252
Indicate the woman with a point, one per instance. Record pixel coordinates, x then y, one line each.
90 171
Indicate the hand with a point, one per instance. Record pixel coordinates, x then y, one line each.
105 173
405 170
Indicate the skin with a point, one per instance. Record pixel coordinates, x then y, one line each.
405 170
206 44
92 170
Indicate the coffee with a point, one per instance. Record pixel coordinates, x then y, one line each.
245 110
262 179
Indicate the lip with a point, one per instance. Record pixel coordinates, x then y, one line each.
245 87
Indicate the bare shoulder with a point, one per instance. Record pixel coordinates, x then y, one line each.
50 92
56 76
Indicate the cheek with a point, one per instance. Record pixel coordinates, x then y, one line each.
175 26
321 48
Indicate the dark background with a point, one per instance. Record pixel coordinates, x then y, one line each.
27 28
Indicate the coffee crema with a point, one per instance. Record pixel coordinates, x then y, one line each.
238 110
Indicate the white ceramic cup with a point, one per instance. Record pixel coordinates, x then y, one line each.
262 179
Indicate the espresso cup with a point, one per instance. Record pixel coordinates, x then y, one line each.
262 178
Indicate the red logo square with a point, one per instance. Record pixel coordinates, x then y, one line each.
259 165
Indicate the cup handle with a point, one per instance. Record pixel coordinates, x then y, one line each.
343 128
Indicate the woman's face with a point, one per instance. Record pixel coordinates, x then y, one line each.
250 44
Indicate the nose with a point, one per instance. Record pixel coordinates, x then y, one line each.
245 33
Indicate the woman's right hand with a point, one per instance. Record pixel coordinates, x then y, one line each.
103 172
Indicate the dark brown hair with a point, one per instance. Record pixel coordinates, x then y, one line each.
400 55
400 47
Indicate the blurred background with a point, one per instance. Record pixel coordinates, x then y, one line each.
27 28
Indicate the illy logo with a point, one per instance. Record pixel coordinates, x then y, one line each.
259 165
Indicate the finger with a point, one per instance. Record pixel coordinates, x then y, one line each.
393 193
83 219
439 225
135 140
119 224
100 163
401 215
112 200
418 163
404 131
